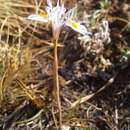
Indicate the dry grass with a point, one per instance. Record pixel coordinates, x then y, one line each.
15 55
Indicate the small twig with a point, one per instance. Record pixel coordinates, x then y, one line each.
15 115
30 119
55 121
122 20
23 86
88 97
116 116
2 86
119 19
30 94
94 106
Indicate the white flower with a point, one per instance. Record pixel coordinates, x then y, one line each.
59 16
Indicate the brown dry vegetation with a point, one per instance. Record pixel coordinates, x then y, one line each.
94 75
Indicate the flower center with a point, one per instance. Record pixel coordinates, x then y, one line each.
73 24
43 14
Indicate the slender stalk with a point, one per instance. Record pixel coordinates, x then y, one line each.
56 82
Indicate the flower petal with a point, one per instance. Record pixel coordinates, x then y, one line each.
39 18
70 14
77 27
49 2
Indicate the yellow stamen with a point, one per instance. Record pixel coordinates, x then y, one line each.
43 14
75 25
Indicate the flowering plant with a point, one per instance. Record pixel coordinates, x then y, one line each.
58 16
